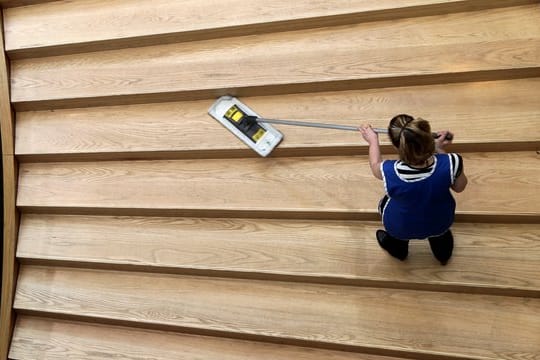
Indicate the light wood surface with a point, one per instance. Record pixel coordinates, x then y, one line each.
149 231
341 187
497 258
34 337
391 53
15 3
7 122
391 320
477 113
10 266
70 26
10 215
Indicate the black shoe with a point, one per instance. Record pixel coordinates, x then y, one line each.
381 235
395 247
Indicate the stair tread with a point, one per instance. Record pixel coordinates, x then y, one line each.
475 112
340 186
15 3
50 29
330 315
393 51
149 231
33 338
493 257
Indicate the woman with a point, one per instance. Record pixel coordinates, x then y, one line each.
418 203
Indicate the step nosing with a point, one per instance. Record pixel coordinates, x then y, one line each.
281 339
290 277
280 25
278 89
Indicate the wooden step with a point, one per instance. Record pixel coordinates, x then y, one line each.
386 321
51 339
432 49
14 3
313 187
488 258
478 114
66 27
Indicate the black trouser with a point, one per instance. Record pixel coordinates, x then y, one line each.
441 246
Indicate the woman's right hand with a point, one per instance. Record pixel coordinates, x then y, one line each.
369 135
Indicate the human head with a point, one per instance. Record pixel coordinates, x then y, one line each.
412 137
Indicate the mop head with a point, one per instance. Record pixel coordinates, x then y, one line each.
242 122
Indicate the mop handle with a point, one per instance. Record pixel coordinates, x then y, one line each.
331 126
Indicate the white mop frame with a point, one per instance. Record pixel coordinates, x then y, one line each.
265 144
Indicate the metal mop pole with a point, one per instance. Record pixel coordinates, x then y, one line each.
328 126
316 125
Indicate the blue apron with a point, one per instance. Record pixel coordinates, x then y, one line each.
422 208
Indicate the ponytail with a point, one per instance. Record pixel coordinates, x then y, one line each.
412 137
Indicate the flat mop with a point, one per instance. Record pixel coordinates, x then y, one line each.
256 131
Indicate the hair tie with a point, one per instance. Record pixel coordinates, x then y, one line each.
403 128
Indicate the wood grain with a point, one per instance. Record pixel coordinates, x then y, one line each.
51 339
496 258
393 51
287 184
335 186
9 213
477 113
328 315
10 266
7 119
15 3
66 27
311 283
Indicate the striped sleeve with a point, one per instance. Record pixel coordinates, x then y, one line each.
456 163
384 176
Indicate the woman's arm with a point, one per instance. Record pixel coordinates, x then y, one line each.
375 158
460 183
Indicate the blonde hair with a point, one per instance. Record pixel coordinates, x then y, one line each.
412 137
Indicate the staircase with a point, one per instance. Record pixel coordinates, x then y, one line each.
148 231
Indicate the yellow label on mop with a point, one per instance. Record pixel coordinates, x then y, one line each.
234 114
259 134
245 124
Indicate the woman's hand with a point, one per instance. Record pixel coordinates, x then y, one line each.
442 140
375 159
369 135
